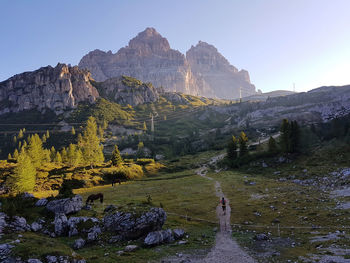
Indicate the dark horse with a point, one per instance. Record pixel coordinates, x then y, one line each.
92 198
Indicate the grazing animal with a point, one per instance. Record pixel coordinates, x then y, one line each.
92 198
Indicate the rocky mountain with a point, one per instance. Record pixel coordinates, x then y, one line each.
63 87
148 57
216 77
56 88
127 90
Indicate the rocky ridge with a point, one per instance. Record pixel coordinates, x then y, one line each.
57 88
148 57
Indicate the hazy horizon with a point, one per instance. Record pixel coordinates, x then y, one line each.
278 42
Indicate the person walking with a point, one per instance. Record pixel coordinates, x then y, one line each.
223 204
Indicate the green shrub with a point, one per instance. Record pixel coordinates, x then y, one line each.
144 161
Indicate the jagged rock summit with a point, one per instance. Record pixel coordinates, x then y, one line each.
148 57
56 88
215 75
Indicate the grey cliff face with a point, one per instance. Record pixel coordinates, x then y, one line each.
59 88
148 57
216 77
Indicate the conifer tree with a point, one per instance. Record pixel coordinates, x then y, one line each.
90 144
73 155
285 136
116 158
272 146
243 148
9 157
73 130
52 153
64 155
58 158
44 138
15 139
144 126
24 176
232 148
294 137
15 154
20 134
47 134
35 150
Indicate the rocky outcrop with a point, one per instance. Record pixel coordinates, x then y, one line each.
216 77
127 90
65 206
58 89
131 226
148 57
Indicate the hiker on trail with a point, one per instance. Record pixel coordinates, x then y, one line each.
223 203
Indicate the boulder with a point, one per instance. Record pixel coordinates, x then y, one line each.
5 250
34 260
79 243
130 248
178 233
19 224
65 206
73 223
61 224
41 202
35 226
131 226
93 234
51 259
159 237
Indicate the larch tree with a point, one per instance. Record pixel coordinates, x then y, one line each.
35 150
285 136
90 144
243 147
24 176
116 158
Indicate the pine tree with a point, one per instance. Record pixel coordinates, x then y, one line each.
20 134
9 157
52 154
285 136
44 138
144 126
116 158
73 130
232 148
58 158
243 148
35 150
90 144
24 176
64 155
47 134
272 146
73 155
15 154
15 139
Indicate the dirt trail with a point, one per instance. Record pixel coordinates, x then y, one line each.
225 249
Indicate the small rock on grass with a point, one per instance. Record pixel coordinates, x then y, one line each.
131 248
79 243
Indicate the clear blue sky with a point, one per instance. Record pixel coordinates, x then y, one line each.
278 41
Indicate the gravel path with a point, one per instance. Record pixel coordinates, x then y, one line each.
226 249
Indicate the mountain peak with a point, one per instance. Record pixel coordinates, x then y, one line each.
149 40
